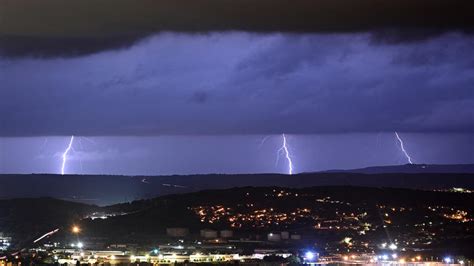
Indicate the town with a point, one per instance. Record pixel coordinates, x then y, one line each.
272 225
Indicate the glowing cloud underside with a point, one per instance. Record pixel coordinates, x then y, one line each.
402 147
284 149
65 153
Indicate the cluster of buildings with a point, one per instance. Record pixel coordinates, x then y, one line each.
156 257
227 235
5 242
258 218
216 254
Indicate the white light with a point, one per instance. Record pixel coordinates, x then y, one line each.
394 256
80 245
447 260
392 246
384 257
309 255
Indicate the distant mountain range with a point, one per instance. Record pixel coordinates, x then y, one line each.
104 189
410 169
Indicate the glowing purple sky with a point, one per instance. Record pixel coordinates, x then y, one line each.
227 154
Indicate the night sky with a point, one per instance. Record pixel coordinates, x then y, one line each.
160 89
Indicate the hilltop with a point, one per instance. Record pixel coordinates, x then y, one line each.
109 189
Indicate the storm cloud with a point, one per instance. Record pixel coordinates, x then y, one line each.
56 28
245 83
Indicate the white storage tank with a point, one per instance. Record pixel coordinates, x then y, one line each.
227 233
177 231
208 233
295 237
273 237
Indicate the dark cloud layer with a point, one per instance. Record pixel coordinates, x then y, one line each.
45 47
72 28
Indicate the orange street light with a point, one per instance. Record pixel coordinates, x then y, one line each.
75 229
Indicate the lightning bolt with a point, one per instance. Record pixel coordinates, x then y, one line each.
284 149
65 154
264 139
403 148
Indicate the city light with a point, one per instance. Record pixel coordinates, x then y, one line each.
75 229
80 245
309 255
392 246
448 260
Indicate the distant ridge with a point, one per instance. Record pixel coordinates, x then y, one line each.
410 169
109 189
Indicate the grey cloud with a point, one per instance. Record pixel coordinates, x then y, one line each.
344 84
200 97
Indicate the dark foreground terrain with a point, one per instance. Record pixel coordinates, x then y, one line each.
330 218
